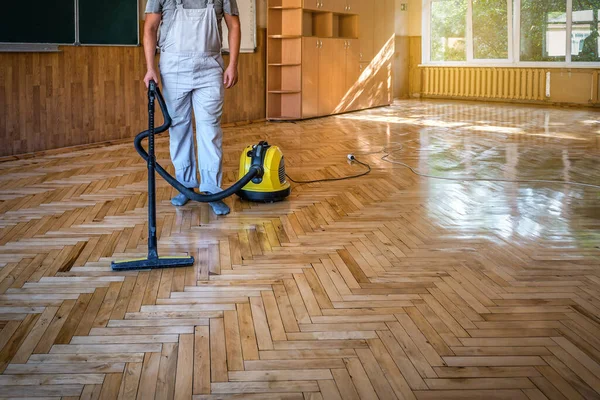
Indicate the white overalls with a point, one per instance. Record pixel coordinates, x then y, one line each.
191 69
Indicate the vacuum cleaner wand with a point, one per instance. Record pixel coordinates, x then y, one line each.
254 172
153 261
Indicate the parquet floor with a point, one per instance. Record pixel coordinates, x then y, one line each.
391 286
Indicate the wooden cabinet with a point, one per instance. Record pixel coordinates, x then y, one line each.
310 77
317 54
352 63
324 5
351 6
330 77
366 30
338 81
384 27
327 73
312 5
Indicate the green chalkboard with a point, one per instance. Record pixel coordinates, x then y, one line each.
38 21
108 22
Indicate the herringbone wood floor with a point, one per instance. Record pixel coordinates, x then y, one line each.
388 286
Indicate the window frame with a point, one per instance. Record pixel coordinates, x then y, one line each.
514 41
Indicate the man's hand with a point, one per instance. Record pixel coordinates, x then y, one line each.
230 77
150 75
150 36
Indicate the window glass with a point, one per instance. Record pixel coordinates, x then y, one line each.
448 30
543 30
490 29
585 45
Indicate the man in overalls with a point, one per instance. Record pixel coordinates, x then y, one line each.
193 74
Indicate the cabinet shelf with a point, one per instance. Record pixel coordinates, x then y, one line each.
285 36
284 8
284 91
284 64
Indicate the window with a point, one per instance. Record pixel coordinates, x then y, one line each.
490 29
543 30
585 17
563 32
449 30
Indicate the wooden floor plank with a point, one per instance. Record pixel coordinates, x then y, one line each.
391 285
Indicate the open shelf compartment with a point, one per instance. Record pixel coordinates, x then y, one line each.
285 22
284 106
286 78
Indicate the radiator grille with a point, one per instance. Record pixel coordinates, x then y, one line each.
485 83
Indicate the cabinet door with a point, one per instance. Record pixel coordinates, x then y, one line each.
339 74
310 77
352 75
352 6
366 99
312 4
326 74
330 5
366 29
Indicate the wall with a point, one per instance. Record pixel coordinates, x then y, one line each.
88 95
407 57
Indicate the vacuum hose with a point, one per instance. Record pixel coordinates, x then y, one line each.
154 93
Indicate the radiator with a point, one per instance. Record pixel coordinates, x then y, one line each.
486 83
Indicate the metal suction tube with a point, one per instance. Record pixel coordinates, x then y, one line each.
254 171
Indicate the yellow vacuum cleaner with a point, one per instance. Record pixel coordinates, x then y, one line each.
262 178
272 185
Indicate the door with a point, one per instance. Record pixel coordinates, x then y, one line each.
310 77
352 85
366 29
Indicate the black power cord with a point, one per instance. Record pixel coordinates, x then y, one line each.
351 158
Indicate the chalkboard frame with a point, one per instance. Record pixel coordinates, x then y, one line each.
53 47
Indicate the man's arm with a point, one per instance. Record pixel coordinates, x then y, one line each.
230 78
150 37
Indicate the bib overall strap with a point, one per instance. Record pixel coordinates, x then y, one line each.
179 3
210 3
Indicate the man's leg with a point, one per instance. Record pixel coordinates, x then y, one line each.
176 80
207 99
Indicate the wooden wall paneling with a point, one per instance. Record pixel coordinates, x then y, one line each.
85 95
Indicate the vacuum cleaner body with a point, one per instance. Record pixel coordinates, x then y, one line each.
272 185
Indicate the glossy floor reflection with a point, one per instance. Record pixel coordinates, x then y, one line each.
497 141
